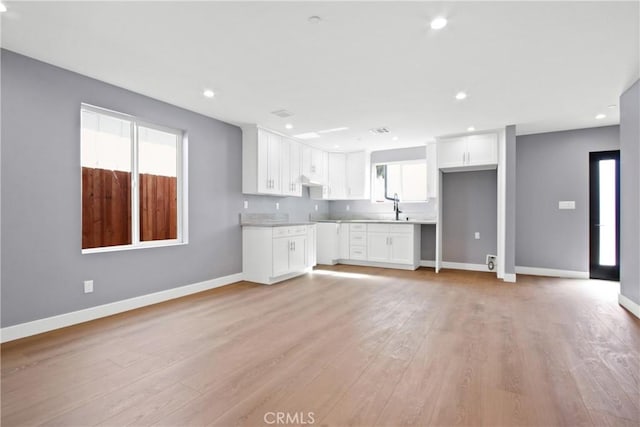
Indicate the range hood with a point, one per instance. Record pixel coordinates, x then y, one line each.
307 181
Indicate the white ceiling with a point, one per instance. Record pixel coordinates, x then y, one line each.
542 66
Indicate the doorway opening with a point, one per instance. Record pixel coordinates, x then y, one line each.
604 215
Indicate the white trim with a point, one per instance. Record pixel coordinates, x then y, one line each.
629 305
427 263
39 326
509 277
465 266
550 272
501 179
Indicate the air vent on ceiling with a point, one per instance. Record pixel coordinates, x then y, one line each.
282 113
379 131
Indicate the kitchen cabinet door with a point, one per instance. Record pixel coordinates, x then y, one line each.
357 175
482 149
452 152
274 154
337 175
298 253
281 249
378 247
401 248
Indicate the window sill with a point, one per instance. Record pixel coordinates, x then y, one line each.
145 245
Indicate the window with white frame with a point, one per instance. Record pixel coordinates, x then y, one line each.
406 179
132 182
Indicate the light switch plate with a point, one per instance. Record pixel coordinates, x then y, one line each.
316 207
246 204
566 204
348 207
477 235
277 206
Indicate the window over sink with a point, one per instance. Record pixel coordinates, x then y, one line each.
407 179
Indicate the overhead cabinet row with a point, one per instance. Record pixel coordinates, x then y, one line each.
273 164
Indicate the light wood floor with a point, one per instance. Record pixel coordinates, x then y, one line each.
354 346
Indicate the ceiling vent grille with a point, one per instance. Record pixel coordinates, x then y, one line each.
379 131
282 113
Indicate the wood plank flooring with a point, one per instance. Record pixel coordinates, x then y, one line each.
342 346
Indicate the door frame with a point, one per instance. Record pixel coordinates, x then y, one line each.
597 271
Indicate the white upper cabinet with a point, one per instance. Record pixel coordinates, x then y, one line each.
291 171
472 152
267 162
358 175
337 175
270 163
314 165
348 177
482 150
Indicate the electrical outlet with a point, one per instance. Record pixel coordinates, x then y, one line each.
246 204
277 206
477 235
88 286
348 207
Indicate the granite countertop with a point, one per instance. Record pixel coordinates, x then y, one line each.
269 220
275 223
381 221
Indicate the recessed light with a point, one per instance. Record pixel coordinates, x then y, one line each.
600 116
395 138
314 19
307 135
336 146
288 126
471 128
461 95
209 93
612 106
438 23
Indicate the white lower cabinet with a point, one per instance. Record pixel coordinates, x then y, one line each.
273 254
375 244
393 243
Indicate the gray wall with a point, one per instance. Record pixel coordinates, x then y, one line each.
630 193
510 201
469 204
551 167
338 208
42 265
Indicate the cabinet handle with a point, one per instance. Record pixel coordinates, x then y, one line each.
468 157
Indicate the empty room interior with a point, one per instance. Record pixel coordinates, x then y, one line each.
341 213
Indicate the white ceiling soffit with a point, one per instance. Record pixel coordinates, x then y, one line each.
543 66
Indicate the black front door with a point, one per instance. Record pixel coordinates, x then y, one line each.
604 218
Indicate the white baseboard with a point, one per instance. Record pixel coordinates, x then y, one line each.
466 266
427 263
629 305
509 277
39 326
550 272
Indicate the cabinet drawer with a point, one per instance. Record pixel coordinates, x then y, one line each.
358 238
357 227
280 231
289 231
358 252
378 228
297 230
401 228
